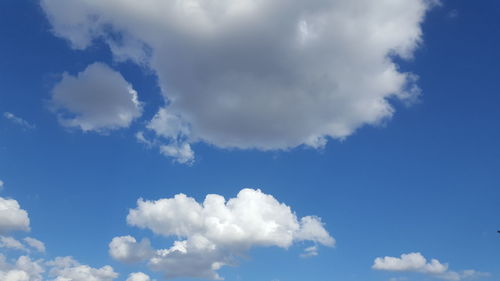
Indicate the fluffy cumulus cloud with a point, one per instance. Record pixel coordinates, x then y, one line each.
416 262
215 232
257 74
126 249
12 217
97 99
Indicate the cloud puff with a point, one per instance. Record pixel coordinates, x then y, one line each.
12 217
416 262
126 249
18 120
216 232
97 99
258 74
138 276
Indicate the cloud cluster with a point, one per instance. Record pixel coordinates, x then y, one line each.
416 262
257 74
97 99
66 268
25 268
215 233
59 269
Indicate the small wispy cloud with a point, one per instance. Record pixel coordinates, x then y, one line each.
18 120
309 252
453 14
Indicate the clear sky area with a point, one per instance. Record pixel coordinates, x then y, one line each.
249 140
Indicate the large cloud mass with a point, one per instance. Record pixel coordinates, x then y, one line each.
215 233
259 74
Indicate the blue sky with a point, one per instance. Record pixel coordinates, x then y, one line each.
423 179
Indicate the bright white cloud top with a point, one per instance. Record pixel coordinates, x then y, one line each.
416 262
257 74
97 99
214 232
138 276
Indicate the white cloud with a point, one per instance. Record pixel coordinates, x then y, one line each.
172 129
68 269
24 269
12 217
138 276
416 262
18 120
181 152
97 99
142 139
216 232
59 269
11 243
258 74
35 243
126 249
